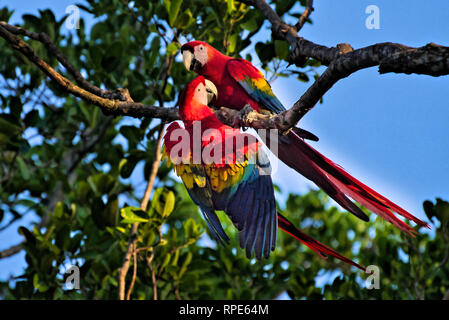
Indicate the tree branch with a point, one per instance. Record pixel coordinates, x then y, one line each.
132 242
305 15
11 251
120 94
106 100
343 60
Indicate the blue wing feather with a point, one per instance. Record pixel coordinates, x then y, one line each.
250 205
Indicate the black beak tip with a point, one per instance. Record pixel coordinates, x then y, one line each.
186 47
195 65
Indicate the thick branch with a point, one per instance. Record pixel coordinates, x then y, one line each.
98 98
120 94
89 92
343 60
432 59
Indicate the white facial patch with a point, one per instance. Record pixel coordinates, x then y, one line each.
200 94
200 54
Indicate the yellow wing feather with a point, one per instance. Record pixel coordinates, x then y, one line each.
220 177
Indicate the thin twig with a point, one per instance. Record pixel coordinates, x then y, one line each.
153 275
133 280
446 296
11 251
52 49
305 15
132 242
107 104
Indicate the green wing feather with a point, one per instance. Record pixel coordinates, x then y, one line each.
255 84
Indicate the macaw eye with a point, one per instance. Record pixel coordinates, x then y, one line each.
201 48
198 90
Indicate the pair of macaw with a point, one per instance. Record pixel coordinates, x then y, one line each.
224 169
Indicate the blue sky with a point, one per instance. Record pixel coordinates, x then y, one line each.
390 131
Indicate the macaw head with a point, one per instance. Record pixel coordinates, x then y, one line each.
200 90
196 54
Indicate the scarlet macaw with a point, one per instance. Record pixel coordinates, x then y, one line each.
236 179
240 83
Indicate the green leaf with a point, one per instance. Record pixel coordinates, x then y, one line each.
163 202
111 211
101 183
191 229
38 286
184 20
232 43
8 125
303 77
96 54
15 107
250 25
31 118
24 171
175 259
59 210
281 48
172 48
30 238
231 6
172 7
166 261
131 133
265 51
99 30
129 215
185 264
127 166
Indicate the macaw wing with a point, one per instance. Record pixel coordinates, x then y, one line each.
195 180
243 190
254 83
251 205
197 185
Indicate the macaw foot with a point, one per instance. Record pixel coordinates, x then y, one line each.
246 116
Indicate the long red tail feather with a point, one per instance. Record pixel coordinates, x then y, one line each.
313 244
339 184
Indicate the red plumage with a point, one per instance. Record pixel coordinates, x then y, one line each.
194 112
239 83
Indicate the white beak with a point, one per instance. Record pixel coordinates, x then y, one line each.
187 57
211 91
